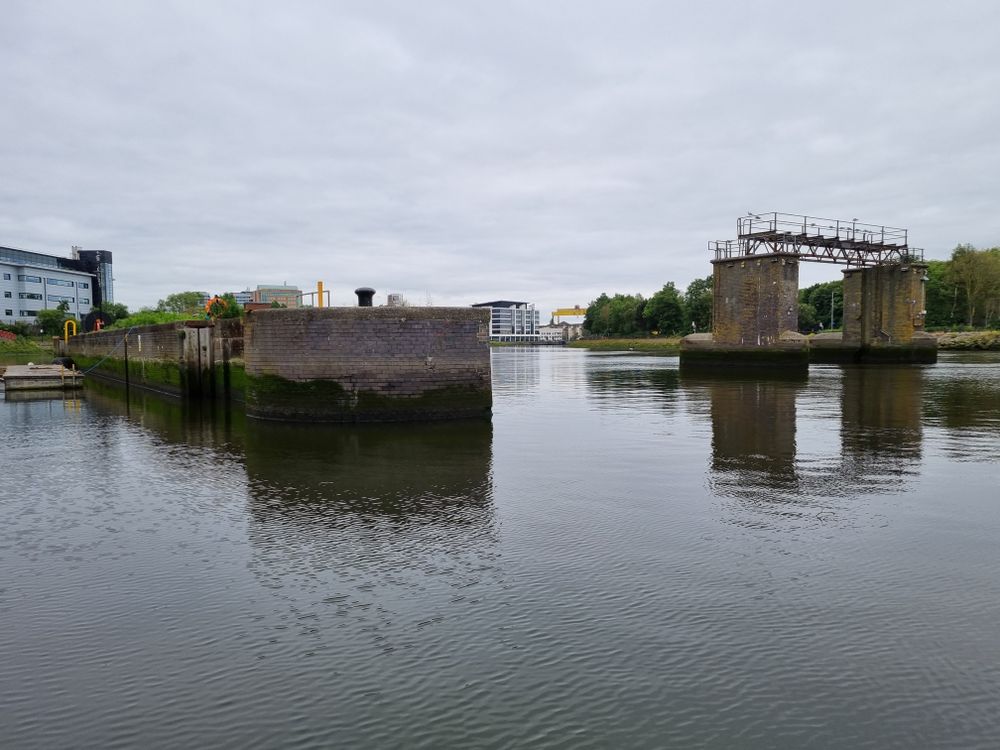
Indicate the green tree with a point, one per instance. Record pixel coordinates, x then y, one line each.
943 301
698 298
976 273
808 320
114 310
665 311
187 303
625 315
51 321
595 321
821 296
233 308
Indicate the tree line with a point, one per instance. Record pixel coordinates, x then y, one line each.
666 313
963 291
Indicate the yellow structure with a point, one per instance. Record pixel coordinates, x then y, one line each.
569 312
319 294
66 326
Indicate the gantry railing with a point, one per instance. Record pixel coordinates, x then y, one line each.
816 239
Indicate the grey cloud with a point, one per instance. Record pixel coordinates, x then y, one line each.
541 151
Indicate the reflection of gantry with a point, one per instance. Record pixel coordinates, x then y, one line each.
756 282
824 240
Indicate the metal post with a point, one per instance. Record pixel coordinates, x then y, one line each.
126 361
832 293
319 294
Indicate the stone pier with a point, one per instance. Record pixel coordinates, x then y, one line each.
368 364
755 315
884 310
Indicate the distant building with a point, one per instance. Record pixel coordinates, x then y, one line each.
513 322
395 300
31 282
289 296
242 298
551 334
559 333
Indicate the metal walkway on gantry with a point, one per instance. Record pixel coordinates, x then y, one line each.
848 242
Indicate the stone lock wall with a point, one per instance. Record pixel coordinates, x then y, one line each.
155 355
755 300
189 358
354 364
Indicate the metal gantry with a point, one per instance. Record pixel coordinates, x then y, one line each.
812 238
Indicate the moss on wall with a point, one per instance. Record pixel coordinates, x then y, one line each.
274 397
155 374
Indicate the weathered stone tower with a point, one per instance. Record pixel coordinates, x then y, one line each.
755 307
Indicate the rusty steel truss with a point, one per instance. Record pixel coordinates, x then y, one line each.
822 240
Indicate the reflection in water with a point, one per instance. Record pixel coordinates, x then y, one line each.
195 423
390 525
881 434
684 563
770 447
965 400
607 387
516 370
753 438
406 472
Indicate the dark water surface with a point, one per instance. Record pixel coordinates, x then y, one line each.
626 557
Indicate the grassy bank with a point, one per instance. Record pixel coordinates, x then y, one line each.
22 346
969 340
665 345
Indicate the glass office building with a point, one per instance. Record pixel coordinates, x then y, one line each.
31 282
512 321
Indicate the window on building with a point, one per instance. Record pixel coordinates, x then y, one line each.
61 298
6 277
84 300
29 313
7 295
32 279
9 313
84 285
60 282
28 295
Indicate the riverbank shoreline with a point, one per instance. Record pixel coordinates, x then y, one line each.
947 341
667 346
968 340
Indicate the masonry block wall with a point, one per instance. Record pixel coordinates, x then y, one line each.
884 305
147 342
155 355
755 300
355 364
191 358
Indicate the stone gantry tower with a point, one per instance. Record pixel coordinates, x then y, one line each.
756 284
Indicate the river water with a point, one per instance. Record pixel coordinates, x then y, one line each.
627 557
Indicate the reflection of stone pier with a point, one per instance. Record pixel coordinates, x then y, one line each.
881 412
753 436
753 427
755 304
408 509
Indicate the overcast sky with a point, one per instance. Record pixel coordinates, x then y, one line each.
468 151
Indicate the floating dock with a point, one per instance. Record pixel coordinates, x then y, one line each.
41 378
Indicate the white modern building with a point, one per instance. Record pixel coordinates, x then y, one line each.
512 322
31 282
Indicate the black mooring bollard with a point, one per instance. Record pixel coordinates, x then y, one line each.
365 294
